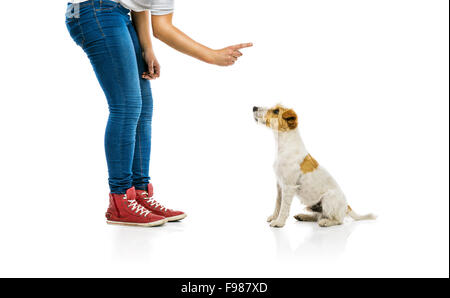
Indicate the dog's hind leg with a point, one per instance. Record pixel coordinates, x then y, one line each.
334 207
277 205
307 217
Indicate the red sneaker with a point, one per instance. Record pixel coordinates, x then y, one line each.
145 198
125 210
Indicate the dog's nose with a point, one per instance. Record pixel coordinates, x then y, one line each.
255 109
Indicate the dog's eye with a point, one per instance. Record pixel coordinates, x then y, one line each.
276 111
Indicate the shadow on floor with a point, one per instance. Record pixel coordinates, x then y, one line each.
320 242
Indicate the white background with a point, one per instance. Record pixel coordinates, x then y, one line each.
368 79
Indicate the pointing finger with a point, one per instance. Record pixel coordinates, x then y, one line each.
242 46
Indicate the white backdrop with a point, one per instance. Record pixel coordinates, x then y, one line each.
369 80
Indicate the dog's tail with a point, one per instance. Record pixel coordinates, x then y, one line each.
356 216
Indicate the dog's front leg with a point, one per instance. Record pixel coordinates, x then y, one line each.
277 205
288 193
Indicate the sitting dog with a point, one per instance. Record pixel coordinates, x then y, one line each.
299 174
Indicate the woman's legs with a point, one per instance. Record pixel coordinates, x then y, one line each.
102 30
141 161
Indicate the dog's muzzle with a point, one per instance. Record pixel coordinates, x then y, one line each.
258 114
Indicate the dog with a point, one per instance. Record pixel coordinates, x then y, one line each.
299 174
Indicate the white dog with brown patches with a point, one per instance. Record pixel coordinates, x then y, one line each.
299 174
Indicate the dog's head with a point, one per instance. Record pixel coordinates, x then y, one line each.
277 118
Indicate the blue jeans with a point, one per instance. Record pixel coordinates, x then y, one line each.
103 29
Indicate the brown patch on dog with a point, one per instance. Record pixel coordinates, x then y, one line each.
281 118
349 209
272 115
309 164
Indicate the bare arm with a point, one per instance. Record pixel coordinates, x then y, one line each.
164 30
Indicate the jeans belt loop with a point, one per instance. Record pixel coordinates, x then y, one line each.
76 10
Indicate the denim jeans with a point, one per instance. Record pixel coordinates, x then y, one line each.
103 29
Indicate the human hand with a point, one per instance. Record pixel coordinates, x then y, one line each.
154 69
229 55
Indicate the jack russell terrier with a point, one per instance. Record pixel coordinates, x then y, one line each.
299 174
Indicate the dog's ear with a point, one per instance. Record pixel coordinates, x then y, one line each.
291 118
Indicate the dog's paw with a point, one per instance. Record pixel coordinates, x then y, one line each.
299 217
270 218
325 223
277 223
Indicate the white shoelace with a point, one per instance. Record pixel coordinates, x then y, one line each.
153 202
134 205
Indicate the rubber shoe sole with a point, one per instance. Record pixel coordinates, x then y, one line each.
149 224
176 218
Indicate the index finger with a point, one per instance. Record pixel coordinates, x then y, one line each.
242 46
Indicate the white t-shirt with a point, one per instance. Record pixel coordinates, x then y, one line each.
157 7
